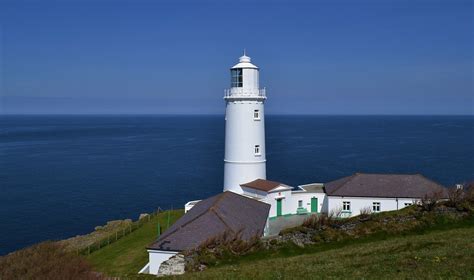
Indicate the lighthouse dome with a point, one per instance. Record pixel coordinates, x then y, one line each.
244 62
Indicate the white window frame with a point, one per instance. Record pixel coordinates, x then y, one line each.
346 206
257 151
300 203
256 115
376 206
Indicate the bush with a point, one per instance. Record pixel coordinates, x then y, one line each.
429 201
455 197
365 213
319 221
224 246
47 260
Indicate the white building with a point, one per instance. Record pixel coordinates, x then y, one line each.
345 197
284 200
244 158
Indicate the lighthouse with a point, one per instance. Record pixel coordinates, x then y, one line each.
244 159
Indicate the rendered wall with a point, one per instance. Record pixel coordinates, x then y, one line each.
241 165
358 203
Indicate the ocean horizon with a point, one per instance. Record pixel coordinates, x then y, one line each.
62 175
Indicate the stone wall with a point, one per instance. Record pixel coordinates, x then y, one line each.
173 266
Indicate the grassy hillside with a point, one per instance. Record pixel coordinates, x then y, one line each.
128 255
446 253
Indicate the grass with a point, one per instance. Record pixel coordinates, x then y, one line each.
373 230
128 255
47 260
432 254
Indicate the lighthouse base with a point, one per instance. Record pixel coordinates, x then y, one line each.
237 173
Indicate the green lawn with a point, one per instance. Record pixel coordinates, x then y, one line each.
128 255
438 254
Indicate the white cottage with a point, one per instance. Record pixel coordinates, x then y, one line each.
344 197
350 195
284 200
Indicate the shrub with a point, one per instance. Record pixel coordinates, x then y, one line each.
429 201
319 221
47 260
469 193
455 197
365 213
220 247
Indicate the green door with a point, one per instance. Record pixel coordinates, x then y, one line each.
314 205
278 207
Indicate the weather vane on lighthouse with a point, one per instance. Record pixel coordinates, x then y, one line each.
244 159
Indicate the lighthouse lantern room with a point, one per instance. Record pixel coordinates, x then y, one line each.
244 159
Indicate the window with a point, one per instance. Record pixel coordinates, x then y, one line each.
257 150
300 203
236 77
376 207
256 115
408 204
346 206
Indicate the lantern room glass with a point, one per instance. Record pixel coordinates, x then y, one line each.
236 77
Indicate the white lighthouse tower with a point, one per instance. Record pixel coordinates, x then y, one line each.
244 159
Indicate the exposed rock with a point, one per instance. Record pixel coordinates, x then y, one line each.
174 266
143 216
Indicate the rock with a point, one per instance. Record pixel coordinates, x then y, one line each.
173 266
143 216
98 228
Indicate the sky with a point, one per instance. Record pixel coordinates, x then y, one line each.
173 57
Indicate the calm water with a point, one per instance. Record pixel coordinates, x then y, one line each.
63 175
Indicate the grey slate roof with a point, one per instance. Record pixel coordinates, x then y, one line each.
213 216
384 185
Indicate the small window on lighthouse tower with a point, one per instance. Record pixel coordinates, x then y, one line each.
256 115
257 150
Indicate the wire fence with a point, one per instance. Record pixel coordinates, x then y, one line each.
124 231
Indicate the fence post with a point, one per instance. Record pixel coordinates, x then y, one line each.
159 230
116 235
168 225
88 249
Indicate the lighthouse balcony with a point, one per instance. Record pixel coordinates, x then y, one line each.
241 93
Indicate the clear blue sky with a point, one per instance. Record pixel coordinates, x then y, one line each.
318 57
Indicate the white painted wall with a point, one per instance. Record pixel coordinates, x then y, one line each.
306 197
243 131
358 203
289 200
253 193
156 257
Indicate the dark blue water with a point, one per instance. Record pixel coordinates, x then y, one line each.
63 175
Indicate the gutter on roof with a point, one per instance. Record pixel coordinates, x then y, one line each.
375 196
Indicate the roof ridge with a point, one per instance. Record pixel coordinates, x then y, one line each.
221 219
350 179
193 219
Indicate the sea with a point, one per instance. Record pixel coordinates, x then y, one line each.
61 176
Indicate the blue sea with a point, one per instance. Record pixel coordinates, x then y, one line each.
62 175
